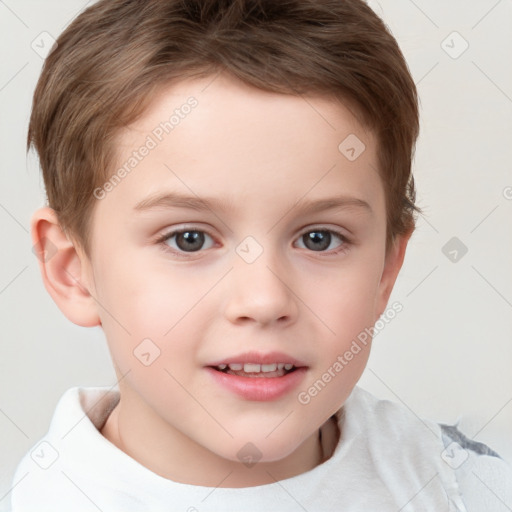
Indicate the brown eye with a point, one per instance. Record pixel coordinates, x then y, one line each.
190 240
318 240
187 240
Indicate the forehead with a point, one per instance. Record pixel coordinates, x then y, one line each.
218 137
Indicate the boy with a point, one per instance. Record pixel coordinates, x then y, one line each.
252 131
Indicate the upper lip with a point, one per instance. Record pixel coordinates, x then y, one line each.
259 358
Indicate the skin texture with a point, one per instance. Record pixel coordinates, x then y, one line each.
259 153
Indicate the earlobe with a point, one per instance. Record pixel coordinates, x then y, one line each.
392 266
62 269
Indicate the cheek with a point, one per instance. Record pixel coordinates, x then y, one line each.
344 307
154 332
149 297
147 310
344 301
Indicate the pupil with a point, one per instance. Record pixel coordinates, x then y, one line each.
193 240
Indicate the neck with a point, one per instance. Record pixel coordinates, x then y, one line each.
172 455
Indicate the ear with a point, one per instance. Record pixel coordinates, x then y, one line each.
63 270
392 265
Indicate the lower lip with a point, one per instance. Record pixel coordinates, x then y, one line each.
259 388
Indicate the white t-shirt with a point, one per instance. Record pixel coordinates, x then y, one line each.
386 460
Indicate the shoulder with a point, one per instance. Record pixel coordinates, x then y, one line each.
484 478
72 445
388 419
401 443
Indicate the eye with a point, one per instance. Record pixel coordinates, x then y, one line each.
320 239
185 240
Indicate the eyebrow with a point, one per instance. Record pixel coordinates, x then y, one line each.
170 200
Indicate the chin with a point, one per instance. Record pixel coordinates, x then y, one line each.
257 450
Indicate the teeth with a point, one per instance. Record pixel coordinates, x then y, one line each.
252 368
256 368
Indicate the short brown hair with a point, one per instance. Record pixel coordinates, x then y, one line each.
110 61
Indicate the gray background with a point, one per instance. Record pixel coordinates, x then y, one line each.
447 356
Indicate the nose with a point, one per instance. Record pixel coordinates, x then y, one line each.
261 292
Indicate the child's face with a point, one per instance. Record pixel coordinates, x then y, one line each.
246 279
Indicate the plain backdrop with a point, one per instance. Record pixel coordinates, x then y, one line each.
447 356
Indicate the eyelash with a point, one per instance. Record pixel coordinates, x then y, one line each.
345 246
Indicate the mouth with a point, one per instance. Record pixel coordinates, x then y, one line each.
256 370
258 377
